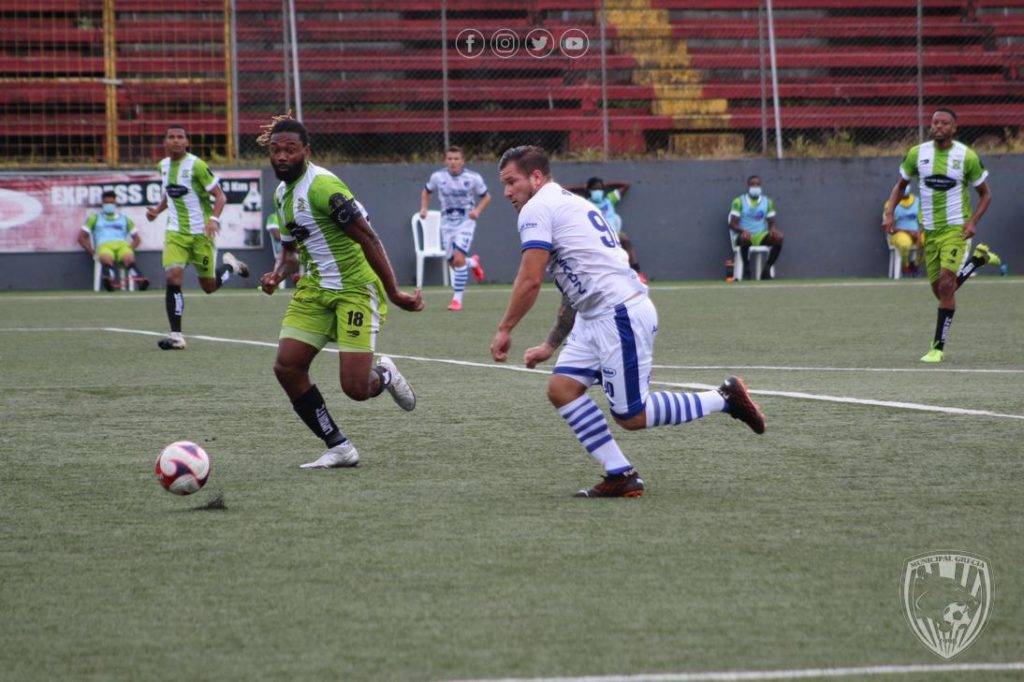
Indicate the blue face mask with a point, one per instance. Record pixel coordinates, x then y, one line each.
754 192
596 195
109 209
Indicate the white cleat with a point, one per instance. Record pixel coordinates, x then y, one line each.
240 268
399 388
172 342
344 455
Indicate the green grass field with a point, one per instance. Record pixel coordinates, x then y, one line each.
456 550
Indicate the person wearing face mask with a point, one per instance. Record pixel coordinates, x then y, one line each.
105 235
752 218
906 232
606 196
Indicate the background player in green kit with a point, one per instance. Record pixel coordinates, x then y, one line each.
192 224
946 168
341 297
106 236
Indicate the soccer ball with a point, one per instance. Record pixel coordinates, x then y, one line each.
182 468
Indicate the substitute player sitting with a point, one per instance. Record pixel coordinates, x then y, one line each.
341 297
105 236
463 196
607 196
752 217
608 318
906 231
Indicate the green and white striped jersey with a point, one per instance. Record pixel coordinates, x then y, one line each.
187 185
945 175
331 258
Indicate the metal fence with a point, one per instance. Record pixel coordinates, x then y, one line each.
98 80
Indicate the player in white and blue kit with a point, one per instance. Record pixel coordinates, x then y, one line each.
609 320
463 196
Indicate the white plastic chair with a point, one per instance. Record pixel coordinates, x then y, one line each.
758 257
426 238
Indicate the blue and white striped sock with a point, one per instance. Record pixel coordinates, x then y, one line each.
459 279
591 429
665 408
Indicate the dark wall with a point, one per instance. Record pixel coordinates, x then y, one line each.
829 210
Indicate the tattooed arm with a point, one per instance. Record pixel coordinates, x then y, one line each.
563 325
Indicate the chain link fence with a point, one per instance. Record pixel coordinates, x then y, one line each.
97 81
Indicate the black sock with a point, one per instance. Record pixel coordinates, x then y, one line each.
112 272
773 256
967 270
175 302
745 255
942 325
224 273
313 411
384 374
134 271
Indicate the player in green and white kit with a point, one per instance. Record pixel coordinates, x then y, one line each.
946 168
192 224
341 297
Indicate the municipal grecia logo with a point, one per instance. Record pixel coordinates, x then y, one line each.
947 597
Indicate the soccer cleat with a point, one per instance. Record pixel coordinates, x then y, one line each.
739 404
626 484
343 455
240 268
399 387
932 356
171 343
478 269
982 253
455 306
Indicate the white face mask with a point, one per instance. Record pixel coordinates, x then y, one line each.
596 195
109 209
754 192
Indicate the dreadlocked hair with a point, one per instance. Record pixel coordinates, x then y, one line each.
282 123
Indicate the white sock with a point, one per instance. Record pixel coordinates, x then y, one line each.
459 279
591 428
665 408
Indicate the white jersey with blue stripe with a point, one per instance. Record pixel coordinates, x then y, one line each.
587 263
458 194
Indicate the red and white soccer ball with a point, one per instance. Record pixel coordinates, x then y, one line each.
182 467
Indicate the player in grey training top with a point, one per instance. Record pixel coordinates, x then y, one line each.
463 196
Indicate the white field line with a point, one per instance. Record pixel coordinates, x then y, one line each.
800 673
798 368
504 289
779 368
515 368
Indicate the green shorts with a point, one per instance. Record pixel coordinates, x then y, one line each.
116 249
757 238
943 250
182 249
352 317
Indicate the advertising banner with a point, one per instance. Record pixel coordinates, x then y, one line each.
45 211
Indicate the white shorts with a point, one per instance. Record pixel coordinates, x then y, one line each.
457 237
617 351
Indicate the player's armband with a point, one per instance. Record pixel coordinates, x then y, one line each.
343 211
